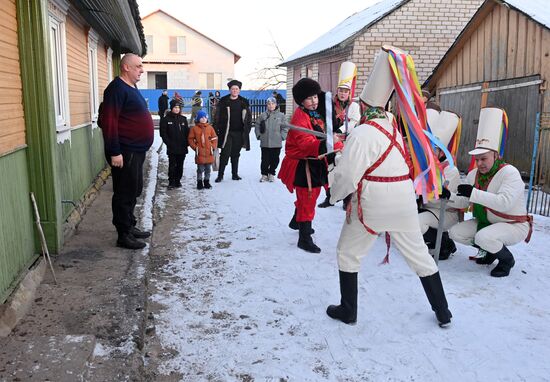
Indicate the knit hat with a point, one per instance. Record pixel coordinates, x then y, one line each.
304 88
201 114
174 103
233 83
272 100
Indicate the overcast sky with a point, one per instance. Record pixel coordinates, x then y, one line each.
249 27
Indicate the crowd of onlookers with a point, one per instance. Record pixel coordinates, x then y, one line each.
217 134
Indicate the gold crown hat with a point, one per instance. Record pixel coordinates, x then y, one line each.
347 75
491 131
379 86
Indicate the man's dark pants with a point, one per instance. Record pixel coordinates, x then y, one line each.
127 187
232 148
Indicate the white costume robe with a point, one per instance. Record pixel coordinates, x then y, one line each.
387 206
430 218
505 194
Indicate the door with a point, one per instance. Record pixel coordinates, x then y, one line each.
161 81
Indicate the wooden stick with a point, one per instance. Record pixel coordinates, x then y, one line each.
43 243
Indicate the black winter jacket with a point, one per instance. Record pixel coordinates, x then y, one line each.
222 118
174 131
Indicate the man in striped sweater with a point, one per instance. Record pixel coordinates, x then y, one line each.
127 133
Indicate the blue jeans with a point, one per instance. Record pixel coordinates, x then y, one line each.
203 169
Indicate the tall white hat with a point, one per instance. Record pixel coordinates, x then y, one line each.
491 131
347 75
379 86
446 126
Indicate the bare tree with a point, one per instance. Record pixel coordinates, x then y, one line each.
271 75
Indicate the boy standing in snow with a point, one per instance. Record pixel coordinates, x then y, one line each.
204 141
174 131
271 134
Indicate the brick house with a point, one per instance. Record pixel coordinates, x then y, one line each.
424 28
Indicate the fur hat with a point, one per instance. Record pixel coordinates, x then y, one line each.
233 83
201 114
174 103
305 87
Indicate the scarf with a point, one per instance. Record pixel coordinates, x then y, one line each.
340 111
315 118
372 112
481 183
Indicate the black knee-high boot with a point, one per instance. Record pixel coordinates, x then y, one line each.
347 310
436 296
305 241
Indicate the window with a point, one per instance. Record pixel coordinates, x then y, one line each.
210 80
94 86
149 42
177 44
58 52
109 65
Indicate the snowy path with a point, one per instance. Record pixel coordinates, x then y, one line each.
234 299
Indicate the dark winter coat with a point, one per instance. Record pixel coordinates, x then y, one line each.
163 105
223 118
174 132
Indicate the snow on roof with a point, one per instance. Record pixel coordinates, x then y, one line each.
349 27
538 10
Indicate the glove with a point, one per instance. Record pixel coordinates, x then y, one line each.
445 193
465 190
330 158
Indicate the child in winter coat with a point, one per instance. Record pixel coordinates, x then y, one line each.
174 131
271 134
204 141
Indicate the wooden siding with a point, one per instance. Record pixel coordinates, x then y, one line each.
501 44
102 71
12 122
78 71
16 222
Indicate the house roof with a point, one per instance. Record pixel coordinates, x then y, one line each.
533 9
237 56
117 22
347 29
538 10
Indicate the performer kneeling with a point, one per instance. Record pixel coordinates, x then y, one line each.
375 168
496 191
445 126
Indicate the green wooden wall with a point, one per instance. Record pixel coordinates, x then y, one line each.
17 250
79 162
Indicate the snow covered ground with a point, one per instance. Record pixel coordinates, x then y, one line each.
240 302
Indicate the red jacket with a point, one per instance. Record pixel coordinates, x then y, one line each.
298 147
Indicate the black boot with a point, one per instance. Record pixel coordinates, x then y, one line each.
219 178
139 234
326 202
207 184
448 247
436 296
505 263
293 224
305 241
235 169
429 237
347 310
127 240
200 186
488 259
